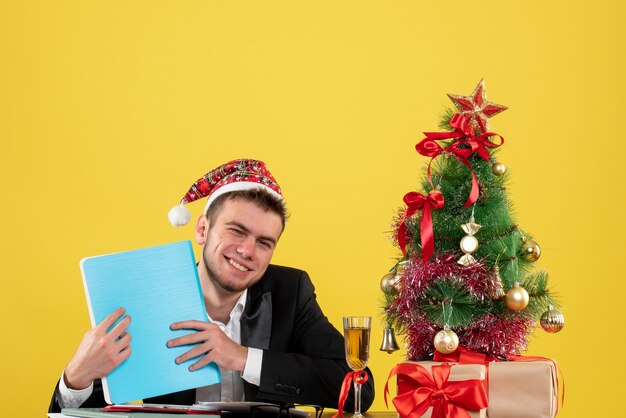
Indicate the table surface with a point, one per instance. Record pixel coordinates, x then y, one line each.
329 414
369 414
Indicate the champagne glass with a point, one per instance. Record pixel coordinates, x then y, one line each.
356 330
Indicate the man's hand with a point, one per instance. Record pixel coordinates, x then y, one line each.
213 345
99 352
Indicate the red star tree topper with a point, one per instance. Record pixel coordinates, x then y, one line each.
476 108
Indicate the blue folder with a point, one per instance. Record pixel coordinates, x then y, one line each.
158 286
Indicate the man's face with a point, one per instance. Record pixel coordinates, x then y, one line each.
239 244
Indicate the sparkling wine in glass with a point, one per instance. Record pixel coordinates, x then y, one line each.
356 331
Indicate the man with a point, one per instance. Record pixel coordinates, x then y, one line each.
266 332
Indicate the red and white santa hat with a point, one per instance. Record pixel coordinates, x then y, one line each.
243 174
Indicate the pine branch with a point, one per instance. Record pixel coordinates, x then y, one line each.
449 302
444 123
536 285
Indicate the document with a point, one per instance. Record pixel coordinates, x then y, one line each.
157 286
147 410
98 413
215 409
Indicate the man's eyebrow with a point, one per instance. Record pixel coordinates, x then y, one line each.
247 231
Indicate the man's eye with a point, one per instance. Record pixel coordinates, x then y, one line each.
236 231
265 244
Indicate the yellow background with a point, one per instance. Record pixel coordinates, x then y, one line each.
109 110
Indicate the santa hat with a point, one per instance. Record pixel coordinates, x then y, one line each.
243 174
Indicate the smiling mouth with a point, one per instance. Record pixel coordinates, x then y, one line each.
237 265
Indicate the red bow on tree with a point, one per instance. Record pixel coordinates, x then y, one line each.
462 149
416 201
448 399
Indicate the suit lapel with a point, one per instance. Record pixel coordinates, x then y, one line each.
256 321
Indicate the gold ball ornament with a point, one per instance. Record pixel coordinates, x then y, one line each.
396 280
446 341
552 321
516 298
389 282
498 168
400 268
531 250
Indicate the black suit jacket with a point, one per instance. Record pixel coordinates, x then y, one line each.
303 354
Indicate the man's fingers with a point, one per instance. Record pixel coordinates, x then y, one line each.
202 362
124 354
203 331
193 353
206 332
192 338
191 324
119 328
111 318
123 341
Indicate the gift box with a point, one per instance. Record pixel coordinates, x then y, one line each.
434 389
519 389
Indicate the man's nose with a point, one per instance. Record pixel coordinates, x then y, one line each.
245 247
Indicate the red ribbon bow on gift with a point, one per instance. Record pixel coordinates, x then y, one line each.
416 201
467 145
448 399
359 377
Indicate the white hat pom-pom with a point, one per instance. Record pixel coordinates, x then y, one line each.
179 215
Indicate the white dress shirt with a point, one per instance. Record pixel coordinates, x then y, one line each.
231 387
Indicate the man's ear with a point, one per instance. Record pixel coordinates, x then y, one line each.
201 231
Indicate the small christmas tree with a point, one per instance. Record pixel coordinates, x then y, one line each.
466 276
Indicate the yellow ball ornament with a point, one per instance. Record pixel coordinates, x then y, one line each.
516 298
446 341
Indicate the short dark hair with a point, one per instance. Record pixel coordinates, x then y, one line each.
261 197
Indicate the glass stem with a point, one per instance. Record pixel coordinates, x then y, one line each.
357 399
